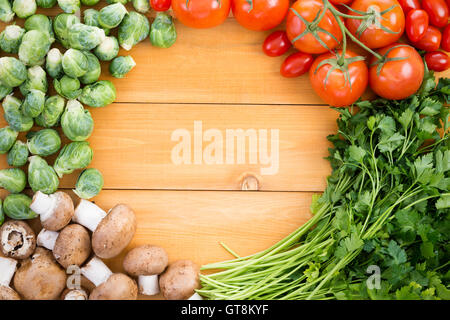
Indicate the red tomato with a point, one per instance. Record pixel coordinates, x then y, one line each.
408 5
416 24
437 61
308 9
445 42
374 36
332 86
161 5
276 44
296 64
437 11
397 79
431 41
201 13
259 15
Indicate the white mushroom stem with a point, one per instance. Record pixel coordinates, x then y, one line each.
7 269
47 239
88 214
196 296
96 271
78 294
149 285
44 205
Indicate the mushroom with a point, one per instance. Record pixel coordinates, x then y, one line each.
40 277
74 294
112 232
7 269
18 240
180 280
55 210
109 286
70 246
146 262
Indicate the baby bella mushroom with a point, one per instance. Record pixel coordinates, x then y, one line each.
146 262
112 231
7 269
55 210
74 294
180 280
17 239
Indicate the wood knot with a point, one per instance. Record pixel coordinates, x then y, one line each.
250 183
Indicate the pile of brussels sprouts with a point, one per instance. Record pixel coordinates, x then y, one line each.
32 65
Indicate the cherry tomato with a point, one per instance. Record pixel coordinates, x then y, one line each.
445 42
332 86
374 36
201 13
397 79
437 61
437 11
276 44
308 9
259 15
296 64
408 5
431 41
416 24
161 5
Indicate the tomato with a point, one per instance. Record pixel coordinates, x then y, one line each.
338 2
276 44
161 5
445 41
397 79
308 9
259 15
332 86
416 24
408 5
374 36
431 41
437 11
437 61
201 13
296 64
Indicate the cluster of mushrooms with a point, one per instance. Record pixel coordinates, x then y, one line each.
75 239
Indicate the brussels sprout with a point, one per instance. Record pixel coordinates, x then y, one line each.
94 69
75 155
34 47
90 2
4 91
133 29
111 16
53 64
124 2
90 18
13 115
68 87
24 8
41 176
2 214
163 33
41 23
76 122
83 37
53 109
18 155
46 3
108 49
74 63
13 180
17 206
98 94
69 6
37 79
6 13
89 184
34 103
12 72
44 142
61 26
7 138
120 66
10 38
142 6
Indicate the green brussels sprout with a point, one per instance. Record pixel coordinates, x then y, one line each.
17 207
4 91
69 6
18 155
84 37
90 18
41 23
74 63
108 49
44 142
13 115
6 12
98 94
37 79
41 176
7 138
13 180
61 26
133 29
111 16
76 122
12 72
75 155
24 8
142 6
34 103
68 87
163 33
53 109
94 69
53 63
89 183
46 3
90 2
34 47
120 66
2 214
10 38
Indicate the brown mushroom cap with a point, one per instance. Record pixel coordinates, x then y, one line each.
62 213
73 246
6 293
117 287
180 280
146 260
17 239
114 232
40 277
